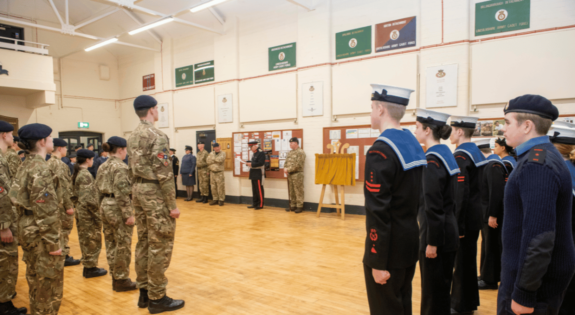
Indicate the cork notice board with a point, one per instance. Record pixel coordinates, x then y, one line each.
268 141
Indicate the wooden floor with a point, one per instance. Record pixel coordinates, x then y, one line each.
233 260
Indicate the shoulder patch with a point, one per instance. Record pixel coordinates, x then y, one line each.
377 152
537 156
433 162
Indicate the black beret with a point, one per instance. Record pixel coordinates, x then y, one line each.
73 155
294 139
144 102
34 132
253 143
85 153
201 142
117 141
189 148
216 145
78 146
533 104
90 145
6 126
60 143
172 149
16 139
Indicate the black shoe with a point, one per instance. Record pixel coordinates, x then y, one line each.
213 202
289 209
251 207
258 208
454 312
165 304
298 210
486 286
22 311
221 203
143 301
94 272
205 200
201 199
70 261
9 309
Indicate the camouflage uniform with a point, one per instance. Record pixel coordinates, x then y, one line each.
8 251
295 161
89 222
114 187
14 162
217 180
203 173
39 228
153 193
63 185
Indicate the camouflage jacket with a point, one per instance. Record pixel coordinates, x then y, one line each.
295 161
202 159
114 178
6 212
62 182
85 192
34 190
149 159
216 161
14 162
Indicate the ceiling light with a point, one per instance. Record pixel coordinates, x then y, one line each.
104 43
149 26
206 5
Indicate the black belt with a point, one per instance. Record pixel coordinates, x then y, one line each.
109 195
28 212
145 181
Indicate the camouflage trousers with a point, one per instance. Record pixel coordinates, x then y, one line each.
218 182
156 231
89 225
8 268
67 225
204 179
295 186
118 237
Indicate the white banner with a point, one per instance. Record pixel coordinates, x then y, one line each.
441 86
225 108
164 117
312 94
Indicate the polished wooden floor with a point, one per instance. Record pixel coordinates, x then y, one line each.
233 260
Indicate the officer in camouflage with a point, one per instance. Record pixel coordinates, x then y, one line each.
154 203
216 161
14 161
293 168
203 173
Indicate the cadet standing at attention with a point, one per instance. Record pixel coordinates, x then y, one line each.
14 161
257 175
203 173
293 168
114 188
154 202
176 168
393 170
215 162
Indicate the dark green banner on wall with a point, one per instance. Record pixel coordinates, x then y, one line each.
282 57
498 16
204 72
184 76
353 43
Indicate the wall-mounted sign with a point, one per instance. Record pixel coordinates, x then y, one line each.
353 43
83 125
184 76
501 16
395 34
282 57
441 85
204 72
225 108
163 117
312 99
149 82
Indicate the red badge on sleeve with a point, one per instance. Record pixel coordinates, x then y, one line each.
40 201
161 156
166 163
1 190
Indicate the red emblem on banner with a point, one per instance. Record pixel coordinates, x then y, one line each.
373 235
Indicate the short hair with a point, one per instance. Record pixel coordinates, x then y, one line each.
395 111
142 112
542 125
467 132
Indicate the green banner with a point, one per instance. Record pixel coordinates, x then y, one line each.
498 16
184 76
282 57
353 43
204 72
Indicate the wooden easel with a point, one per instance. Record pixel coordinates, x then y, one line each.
334 149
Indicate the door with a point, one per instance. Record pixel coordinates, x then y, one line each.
96 142
82 138
208 137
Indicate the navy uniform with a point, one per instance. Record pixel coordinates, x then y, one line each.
176 168
538 259
510 164
437 221
257 176
465 292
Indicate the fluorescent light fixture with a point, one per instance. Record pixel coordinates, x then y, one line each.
104 43
206 5
149 26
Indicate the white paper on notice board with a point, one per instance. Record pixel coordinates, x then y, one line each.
366 149
375 133
277 144
351 134
355 149
334 134
364 133
276 135
285 144
286 134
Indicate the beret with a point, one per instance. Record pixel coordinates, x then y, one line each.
90 145
144 102
60 143
189 148
532 104
172 149
253 143
73 155
16 139
294 139
79 146
117 141
201 142
6 126
34 132
85 153
216 145
21 151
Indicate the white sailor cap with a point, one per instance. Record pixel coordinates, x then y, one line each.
561 134
563 124
464 121
427 116
483 143
390 94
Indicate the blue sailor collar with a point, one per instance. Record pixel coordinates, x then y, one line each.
527 145
408 150
571 168
444 154
511 160
473 152
496 158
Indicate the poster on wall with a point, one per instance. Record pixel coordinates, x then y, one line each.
282 57
184 76
353 43
441 86
499 16
312 99
204 72
149 82
163 117
395 34
225 108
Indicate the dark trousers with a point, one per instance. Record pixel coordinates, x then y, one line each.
568 306
258 193
491 248
394 297
436 276
176 181
465 292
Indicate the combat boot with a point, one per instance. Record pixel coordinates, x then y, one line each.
143 301
221 203
9 309
213 202
201 199
124 285
70 261
165 304
298 210
290 209
205 199
94 272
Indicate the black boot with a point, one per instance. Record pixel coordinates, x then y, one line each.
9 309
205 200
94 272
201 199
70 261
298 210
482 285
165 304
143 301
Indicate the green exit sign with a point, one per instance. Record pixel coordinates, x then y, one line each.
83 125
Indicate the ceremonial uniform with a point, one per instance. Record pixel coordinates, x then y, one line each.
294 164
188 168
257 176
215 162
176 170
510 164
203 175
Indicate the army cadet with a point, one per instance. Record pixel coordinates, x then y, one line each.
12 157
393 170
8 230
154 205
203 173
506 153
89 223
438 230
63 186
39 224
538 258
215 161
188 172
257 175
465 292
176 168
293 168
114 188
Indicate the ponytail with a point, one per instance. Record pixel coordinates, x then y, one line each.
79 160
439 132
